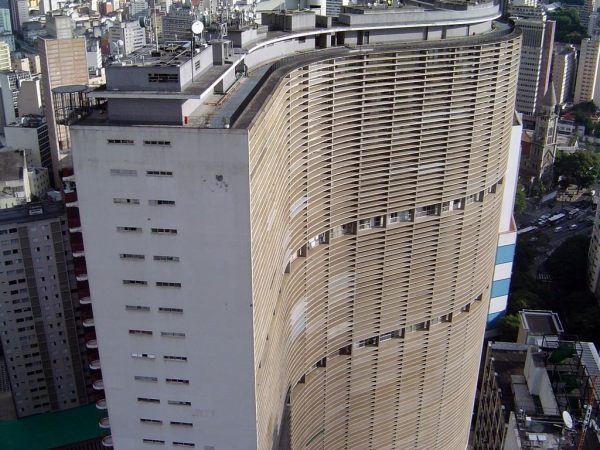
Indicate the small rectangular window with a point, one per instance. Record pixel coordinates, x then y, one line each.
164 231
176 381
183 444
129 229
159 173
431 210
131 256
161 143
163 78
145 379
179 403
153 441
174 358
172 334
182 424
151 421
166 258
137 308
148 400
135 282
143 356
170 310
126 201
140 332
167 284
120 141
124 172
161 202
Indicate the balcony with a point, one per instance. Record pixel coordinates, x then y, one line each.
101 404
88 323
82 277
95 365
98 385
70 198
107 441
91 344
104 423
85 301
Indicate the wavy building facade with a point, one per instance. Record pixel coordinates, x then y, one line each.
291 237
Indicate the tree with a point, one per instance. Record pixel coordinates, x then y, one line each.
520 200
509 327
568 27
568 263
581 168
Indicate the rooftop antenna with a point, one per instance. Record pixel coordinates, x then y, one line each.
197 29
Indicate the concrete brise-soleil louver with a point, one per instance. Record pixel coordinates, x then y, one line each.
296 247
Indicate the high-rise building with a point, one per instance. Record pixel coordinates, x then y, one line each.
564 71
310 256
586 87
536 57
10 85
126 37
64 62
30 133
593 275
6 34
177 24
40 339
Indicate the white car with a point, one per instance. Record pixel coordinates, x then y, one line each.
557 229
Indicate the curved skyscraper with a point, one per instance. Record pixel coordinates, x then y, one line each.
296 248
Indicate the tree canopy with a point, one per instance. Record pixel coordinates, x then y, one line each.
568 28
580 168
568 263
520 200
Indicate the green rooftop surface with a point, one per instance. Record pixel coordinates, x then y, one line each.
50 430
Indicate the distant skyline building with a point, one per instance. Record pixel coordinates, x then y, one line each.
64 63
10 85
40 339
177 24
131 34
586 86
30 133
564 72
311 256
536 57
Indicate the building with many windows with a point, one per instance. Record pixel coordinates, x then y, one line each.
39 316
564 70
586 87
301 239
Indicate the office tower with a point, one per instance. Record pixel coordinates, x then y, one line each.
30 133
10 85
538 153
131 36
564 70
63 60
40 336
177 24
536 57
586 88
312 252
137 9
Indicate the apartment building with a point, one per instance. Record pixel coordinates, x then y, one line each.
38 314
300 240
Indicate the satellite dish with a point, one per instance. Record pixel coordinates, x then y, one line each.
567 419
120 43
197 27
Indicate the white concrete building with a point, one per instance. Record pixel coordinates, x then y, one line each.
131 34
586 84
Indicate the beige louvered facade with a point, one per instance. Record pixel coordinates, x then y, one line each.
375 184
